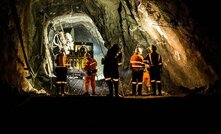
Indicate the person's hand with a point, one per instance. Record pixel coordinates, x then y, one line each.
147 66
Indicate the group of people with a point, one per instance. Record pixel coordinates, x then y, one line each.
146 70
143 70
111 61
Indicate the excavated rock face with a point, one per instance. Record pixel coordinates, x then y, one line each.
187 48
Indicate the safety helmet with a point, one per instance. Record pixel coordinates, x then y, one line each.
137 51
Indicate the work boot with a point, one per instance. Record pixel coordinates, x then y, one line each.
116 88
109 95
110 86
93 93
86 94
134 90
140 90
153 84
159 89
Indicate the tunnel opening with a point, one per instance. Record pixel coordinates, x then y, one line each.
84 37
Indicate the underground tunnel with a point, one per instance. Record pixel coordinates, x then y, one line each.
189 48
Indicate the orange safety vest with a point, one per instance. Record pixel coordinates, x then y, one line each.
146 78
90 64
136 61
62 60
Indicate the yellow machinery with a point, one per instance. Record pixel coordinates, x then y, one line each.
77 56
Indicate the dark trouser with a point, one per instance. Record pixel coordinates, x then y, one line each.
139 89
155 77
61 73
110 86
137 77
116 88
60 88
158 86
111 77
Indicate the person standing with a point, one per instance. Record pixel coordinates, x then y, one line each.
146 80
111 73
89 67
154 61
61 72
136 65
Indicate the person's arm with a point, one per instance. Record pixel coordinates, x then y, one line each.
142 60
160 64
94 63
67 63
95 66
92 67
119 58
146 62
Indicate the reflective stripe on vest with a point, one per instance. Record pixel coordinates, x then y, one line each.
136 62
151 62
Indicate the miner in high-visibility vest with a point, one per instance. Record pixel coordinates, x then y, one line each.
146 79
137 67
154 61
61 72
89 67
